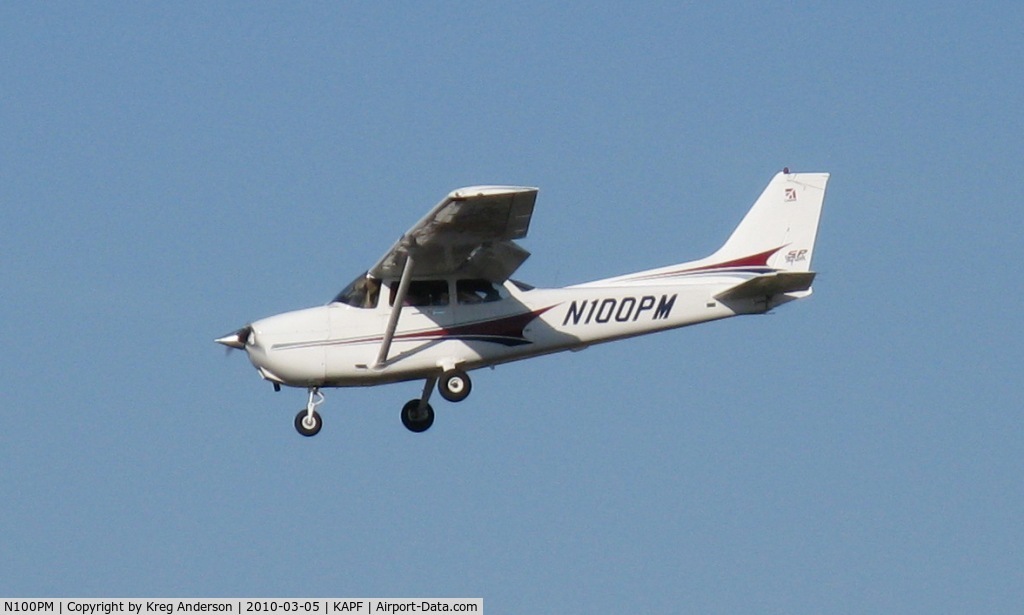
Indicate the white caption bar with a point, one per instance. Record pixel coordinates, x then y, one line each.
238 606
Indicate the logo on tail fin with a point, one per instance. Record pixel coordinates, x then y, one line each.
794 256
790 194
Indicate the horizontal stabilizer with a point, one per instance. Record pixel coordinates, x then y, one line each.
769 285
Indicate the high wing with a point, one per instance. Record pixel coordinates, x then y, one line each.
469 233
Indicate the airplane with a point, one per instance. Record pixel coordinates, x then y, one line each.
441 302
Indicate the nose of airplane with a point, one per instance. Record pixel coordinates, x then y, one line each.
238 339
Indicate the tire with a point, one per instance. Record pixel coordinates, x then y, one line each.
454 385
303 429
414 423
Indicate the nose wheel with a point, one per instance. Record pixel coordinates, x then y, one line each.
308 425
308 421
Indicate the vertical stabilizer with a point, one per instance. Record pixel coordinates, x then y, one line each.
783 220
776 236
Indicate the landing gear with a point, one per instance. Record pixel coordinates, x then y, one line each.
307 425
417 415
308 421
454 385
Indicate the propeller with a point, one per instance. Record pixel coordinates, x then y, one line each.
237 340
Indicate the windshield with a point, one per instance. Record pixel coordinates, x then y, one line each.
362 292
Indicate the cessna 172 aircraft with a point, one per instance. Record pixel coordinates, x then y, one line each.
441 301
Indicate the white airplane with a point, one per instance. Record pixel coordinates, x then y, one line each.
441 302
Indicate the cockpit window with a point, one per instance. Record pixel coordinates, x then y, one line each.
423 293
363 292
477 291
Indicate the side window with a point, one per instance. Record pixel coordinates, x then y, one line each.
477 291
423 293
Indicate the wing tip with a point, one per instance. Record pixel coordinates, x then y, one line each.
488 190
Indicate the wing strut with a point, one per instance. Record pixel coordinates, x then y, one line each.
396 311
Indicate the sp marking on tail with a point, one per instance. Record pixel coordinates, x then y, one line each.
795 256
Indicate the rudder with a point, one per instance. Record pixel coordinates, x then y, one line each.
783 221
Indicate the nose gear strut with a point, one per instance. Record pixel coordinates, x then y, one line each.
308 421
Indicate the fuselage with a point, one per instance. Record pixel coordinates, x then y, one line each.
337 345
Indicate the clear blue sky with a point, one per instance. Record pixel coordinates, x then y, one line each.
169 172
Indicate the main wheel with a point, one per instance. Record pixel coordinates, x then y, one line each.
454 385
415 420
306 427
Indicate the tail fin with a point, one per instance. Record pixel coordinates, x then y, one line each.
782 224
776 237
